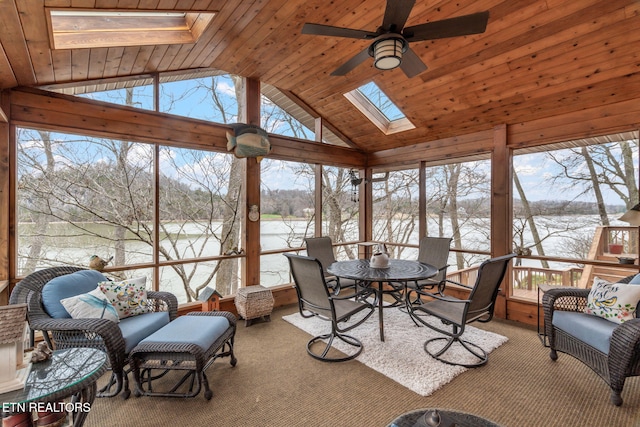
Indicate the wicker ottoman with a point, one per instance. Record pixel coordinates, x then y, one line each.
190 343
254 302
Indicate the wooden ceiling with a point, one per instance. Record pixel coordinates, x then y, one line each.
537 58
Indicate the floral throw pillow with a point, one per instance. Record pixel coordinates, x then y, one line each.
129 297
92 305
616 302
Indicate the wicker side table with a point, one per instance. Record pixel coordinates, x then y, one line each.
254 302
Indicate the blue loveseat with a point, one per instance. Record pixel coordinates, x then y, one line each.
42 292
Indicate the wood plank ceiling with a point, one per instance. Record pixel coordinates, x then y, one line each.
537 58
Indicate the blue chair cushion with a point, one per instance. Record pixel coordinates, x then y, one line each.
635 280
200 330
593 330
135 328
69 285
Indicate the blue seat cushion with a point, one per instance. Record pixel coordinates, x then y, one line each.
200 330
135 328
635 280
593 330
67 286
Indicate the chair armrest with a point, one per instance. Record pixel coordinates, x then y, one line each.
457 283
443 297
364 292
565 299
95 333
170 302
624 343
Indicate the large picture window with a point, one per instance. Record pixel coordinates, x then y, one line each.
80 196
567 203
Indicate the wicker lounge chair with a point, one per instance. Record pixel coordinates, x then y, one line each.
622 359
97 333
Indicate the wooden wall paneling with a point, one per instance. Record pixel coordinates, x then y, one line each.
223 29
331 51
34 24
165 63
7 76
525 312
141 62
97 61
62 65
80 64
129 59
276 12
460 146
114 58
580 124
13 42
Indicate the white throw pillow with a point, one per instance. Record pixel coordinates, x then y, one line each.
92 305
616 302
129 297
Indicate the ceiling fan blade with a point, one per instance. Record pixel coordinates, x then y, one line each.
411 64
397 13
328 30
475 23
352 63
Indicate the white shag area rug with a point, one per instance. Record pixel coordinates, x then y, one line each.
401 356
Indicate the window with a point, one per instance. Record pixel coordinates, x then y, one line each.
287 214
79 196
76 29
339 211
395 211
458 204
567 201
377 107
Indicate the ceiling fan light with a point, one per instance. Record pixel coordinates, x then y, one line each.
388 53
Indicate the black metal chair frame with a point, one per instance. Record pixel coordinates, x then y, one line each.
316 299
478 307
102 334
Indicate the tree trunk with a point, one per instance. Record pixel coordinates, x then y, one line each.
602 210
41 219
530 219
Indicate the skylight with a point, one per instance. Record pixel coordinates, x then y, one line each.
381 101
75 29
379 109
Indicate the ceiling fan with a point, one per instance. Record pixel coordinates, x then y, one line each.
390 45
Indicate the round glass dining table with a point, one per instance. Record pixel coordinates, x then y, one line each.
399 270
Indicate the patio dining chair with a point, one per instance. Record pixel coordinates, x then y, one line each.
321 248
456 313
433 251
316 299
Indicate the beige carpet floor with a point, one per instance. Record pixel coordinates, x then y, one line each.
276 383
